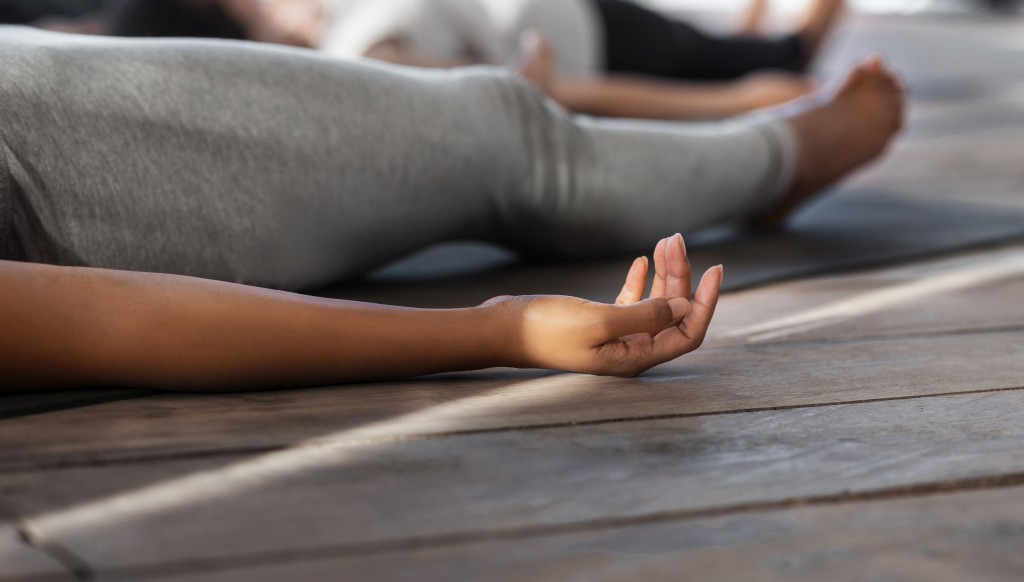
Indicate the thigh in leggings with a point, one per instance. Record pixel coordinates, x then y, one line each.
283 168
641 41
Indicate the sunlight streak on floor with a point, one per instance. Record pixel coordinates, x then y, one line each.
999 268
233 480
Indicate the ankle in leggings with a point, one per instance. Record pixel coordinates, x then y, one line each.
283 168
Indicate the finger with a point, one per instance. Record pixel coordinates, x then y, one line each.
677 281
636 283
650 316
874 62
695 325
683 339
660 269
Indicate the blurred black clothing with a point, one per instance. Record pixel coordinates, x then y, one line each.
27 11
644 42
172 18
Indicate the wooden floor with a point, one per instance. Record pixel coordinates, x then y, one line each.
866 425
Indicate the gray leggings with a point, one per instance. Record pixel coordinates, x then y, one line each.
283 168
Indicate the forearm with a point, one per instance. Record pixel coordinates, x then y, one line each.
65 327
392 52
650 99
297 23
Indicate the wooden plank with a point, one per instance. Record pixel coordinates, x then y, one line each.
964 162
994 109
977 535
972 291
20 562
709 381
390 494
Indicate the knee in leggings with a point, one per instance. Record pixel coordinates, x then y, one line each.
557 162
503 86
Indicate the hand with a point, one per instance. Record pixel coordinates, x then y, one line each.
296 23
535 61
625 339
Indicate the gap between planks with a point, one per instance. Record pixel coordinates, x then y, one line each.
468 538
74 565
413 437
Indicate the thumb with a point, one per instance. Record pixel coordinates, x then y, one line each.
650 316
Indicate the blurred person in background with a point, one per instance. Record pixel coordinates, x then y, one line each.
612 58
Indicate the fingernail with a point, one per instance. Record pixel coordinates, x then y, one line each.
680 307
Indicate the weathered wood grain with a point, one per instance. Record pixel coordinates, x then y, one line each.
387 494
977 535
20 562
971 291
709 381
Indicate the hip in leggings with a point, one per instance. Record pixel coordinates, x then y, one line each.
284 168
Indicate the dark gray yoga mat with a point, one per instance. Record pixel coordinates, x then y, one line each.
844 231
26 403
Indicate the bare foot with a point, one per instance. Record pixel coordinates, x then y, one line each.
839 135
536 60
818 22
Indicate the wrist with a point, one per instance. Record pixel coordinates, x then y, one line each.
501 334
740 99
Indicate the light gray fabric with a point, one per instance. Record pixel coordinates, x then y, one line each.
282 168
484 31
8 240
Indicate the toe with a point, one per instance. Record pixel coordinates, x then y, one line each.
874 63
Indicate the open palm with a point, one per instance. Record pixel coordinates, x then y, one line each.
625 339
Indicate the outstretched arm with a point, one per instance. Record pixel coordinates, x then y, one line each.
296 23
649 98
72 327
392 51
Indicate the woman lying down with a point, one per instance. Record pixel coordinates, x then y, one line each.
219 163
